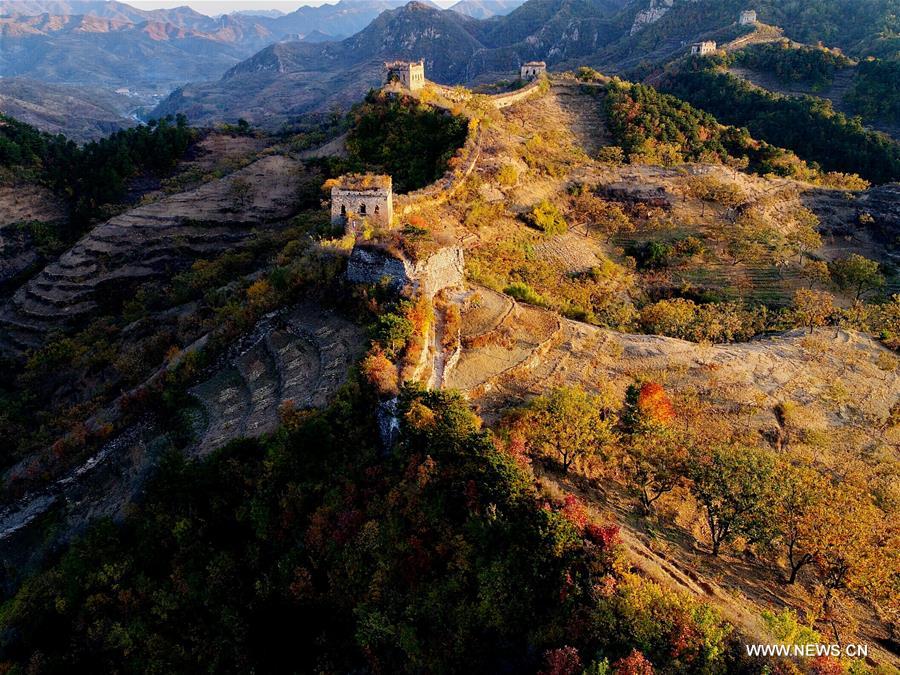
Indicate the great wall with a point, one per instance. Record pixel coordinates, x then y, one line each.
301 355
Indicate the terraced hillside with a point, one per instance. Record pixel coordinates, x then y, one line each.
147 242
517 333
844 81
513 351
301 356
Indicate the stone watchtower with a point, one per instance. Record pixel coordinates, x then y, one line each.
748 18
703 48
409 74
532 70
358 196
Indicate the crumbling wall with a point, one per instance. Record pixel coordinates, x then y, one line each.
442 269
369 265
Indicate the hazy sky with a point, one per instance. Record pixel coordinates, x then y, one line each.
214 7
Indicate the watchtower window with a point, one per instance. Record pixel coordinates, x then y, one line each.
343 210
377 209
362 209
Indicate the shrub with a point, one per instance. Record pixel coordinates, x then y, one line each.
508 175
381 373
547 218
525 293
611 154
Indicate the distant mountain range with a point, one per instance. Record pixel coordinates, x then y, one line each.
89 47
277 67
292 78
616 36
485 9
115 45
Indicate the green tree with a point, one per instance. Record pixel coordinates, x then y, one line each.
569 424
547 218
732 483
857 275
392 331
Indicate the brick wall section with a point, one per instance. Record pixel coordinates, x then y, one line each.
446 186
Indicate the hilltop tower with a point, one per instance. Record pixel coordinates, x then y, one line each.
748 17
703 48
533 70
358 196
410 74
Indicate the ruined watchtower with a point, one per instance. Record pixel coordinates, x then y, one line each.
533 70
703 48
748 17
410 74
358 196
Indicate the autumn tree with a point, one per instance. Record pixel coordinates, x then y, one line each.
710 189
607 218
816 272
381 373
804 237
811 308
240 191
749 239
569 423
731 482
633 664
657 450
674 317
546 217
885 592
887 321
849 528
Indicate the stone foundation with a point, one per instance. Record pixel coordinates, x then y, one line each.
442 269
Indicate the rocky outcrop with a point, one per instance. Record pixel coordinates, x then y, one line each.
657 10
18 254
442 269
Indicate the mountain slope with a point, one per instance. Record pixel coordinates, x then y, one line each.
115 52
859 28
80 113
